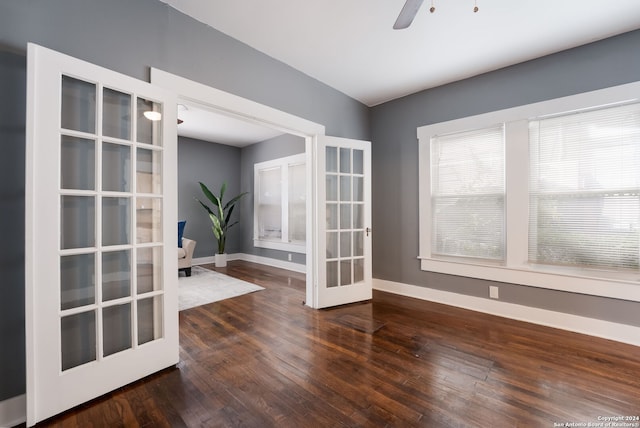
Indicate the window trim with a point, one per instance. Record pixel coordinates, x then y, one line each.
516 269
283 244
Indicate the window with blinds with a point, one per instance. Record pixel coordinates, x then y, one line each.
585 189
468 194
280 198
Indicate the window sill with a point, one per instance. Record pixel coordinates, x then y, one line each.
282 246
617 286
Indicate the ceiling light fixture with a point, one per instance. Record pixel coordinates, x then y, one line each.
433 8
153 116
410 9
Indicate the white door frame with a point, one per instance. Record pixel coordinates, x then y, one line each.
253 112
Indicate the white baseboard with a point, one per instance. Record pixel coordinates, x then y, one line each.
296 267
202 261
589 326
13 411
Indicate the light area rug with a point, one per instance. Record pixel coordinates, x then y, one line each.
207 286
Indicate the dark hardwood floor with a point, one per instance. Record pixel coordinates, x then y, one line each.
265 360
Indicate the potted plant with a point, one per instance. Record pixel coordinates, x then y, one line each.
220 217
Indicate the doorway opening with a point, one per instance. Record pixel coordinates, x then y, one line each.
284 127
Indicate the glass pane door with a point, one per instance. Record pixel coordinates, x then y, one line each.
106 244
345 216
346 243
101 280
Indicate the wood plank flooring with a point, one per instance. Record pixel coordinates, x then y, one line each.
266 360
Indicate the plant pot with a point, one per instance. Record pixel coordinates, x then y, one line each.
220 260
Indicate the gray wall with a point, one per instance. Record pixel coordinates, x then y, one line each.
278 147
598 65
12 137
212 164
129 37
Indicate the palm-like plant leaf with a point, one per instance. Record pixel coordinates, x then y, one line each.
233 201
223 188
205 206
220 214
213 198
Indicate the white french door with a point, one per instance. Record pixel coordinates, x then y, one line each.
101 266
343 221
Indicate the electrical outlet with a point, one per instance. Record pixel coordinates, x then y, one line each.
289 256
493 292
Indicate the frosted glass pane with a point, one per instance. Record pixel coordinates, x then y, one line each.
148 220
297 223
469 226
331 159
116 167
270 186
345 160
358 216
270 222
270 204
332 216
116 275
358 162
78 105
345 244
78 163
358 189
332 245
345 188
77 280
116 328
148 171
297 203
345 216
332 274
149 319
78 339
149 131
77 222
358 244
345 272
116 224
358 270
149 269
332 188
116 114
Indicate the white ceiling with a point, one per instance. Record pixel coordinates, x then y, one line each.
351 46
206 125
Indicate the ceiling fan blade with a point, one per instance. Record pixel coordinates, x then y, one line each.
408 12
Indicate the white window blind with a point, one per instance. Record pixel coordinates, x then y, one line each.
585 189
297 203
280 204
467 177
269 210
